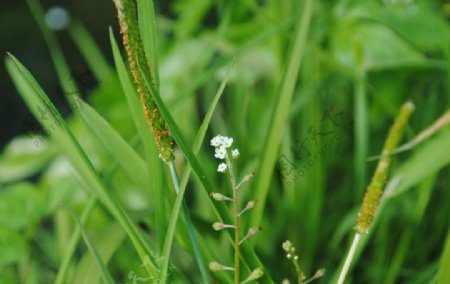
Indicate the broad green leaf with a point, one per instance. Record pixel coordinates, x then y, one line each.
412 24
24 157
13 246
377 55
34 96
21 207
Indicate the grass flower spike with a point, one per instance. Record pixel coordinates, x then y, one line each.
140 70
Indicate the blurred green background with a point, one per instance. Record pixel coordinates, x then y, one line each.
361 61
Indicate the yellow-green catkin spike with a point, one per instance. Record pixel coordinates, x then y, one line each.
375 189
140 69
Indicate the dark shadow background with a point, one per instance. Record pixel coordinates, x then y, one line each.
21 36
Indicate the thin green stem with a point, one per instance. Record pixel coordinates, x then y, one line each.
236 220
361 134
190 229
299 272
348 260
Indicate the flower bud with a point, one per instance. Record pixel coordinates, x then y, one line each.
219 197
220 226
256 274
215 266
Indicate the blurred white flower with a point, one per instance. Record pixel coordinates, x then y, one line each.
222 167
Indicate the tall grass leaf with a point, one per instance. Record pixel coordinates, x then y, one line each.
443 275
147 27
136 110
361 135
69 253
107 243
158 192
90 51
280 112
106 276
35 97
123 153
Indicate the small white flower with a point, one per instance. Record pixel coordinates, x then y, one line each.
222 167
220 153
227 141
216 141
235 153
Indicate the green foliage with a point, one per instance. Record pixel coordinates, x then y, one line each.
360 60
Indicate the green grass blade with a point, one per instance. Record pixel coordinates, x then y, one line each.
123 153
158 191
35 97
107 243
67 259
178 201
443 275
361 136
90 51
280 113
147 27
106 276
68 85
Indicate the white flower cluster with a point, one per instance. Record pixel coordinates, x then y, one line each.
222 144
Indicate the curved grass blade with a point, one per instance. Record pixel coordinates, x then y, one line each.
106 276
67 259
155 173
280 113
123 153
443 275
55 125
